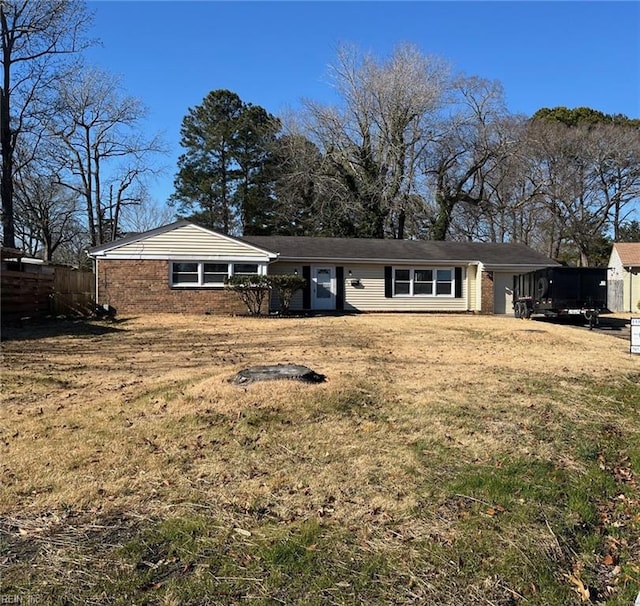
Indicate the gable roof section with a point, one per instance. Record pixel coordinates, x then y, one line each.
180 240
186 240
304 248
629 253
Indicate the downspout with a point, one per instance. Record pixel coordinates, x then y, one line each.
95 277
95 270
630 289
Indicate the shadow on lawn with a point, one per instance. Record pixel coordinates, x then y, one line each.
618 327
54 327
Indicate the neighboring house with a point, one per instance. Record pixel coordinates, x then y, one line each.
624 277
182 267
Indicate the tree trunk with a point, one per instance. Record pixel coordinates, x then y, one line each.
8 226
402 219
7 144
443 217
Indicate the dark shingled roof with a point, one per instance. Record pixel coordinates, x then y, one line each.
361 249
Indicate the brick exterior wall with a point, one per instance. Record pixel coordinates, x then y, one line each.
487 296
143 287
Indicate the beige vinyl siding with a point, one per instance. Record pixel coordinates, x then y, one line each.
187 240
279 269
631 297
472 288
370 295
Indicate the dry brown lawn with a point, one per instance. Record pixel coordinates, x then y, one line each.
136 419
116 419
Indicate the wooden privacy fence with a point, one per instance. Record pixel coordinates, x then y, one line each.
53 291
26 294
73 291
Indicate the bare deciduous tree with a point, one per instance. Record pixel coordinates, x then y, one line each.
616 154
107 159
472 141
510 209
144 217
570 179
564 170
39 39
375 139
47 214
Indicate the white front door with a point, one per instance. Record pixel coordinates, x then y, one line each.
323 285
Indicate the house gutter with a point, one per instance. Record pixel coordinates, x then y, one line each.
187 257
396 260
391 261
522 266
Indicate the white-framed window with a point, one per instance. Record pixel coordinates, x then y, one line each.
423 282
245 269
184 274
214 274
209 274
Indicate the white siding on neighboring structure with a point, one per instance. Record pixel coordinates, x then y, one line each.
187 241
616 286
623 286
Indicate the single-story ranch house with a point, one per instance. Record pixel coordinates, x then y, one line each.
181 267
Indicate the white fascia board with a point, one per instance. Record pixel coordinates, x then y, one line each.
184 257
516 268
328 260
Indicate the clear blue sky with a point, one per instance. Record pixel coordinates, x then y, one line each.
170 54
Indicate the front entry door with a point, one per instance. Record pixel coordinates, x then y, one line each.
324 287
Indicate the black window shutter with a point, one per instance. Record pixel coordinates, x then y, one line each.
306 291
458 277
339 288
388 282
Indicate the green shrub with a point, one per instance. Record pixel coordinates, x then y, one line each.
252 289
286 285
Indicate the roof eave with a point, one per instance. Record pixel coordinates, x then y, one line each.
381 261
103 249
518 266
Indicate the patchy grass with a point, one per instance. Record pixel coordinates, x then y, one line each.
447 460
